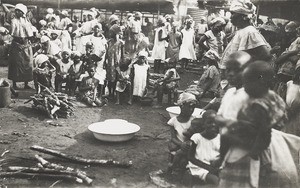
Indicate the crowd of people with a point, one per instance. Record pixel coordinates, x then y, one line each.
253 67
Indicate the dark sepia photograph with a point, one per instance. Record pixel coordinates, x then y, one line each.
150 93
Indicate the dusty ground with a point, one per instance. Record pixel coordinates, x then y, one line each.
22 127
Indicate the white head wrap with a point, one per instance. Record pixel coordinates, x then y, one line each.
143 54
44 39
40 59
242 7
22 8
50 10
186 98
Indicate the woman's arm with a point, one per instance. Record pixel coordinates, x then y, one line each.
201 42
160 38
174 138
260 53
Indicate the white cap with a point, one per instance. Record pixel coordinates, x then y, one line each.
44 39
21 7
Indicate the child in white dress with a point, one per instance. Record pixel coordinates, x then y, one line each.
204 153
140 75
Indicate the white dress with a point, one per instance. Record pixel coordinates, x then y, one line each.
206 151
187 49
140 79
159 48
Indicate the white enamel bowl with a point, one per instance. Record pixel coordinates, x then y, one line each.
175 111
114 130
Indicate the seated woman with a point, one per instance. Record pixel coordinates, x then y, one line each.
42 72
88 89
209 83
167 84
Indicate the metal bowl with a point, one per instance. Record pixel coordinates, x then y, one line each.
175 111
114 130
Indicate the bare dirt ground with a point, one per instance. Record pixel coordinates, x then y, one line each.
21 127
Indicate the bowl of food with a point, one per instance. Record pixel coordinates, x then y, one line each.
114 130
175 111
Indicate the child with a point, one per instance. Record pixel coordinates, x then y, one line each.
42 72
88 89
167 84
254 157
100 73
62 71
140 74
86 58
179 125
204 153
124 82
76 70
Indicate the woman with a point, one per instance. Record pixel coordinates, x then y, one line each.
159 49
247 37
174 43
20 55
215 38
187 48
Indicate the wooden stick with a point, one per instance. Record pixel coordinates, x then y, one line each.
35 175
79 173
49 171
80 159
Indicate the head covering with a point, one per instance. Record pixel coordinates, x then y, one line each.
186 98
89 44
95 11
44 39
129 15
76 54
290 27
175 24
216 21
213 55
50 10
21 7
3 30
189 21
138 15
115 29
113 18
167 16
161 20
43 22
40 59
143 54
64 13
99 25
91 13
66 52
242 7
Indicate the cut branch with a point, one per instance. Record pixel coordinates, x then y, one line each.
80 159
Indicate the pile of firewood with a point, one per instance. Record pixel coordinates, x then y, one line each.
55 105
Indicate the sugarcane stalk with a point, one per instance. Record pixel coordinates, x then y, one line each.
36 175
46 164
50 171
80 159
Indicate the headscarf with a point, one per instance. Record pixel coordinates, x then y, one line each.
113 18
22 8
44 39
242 7
50 11
40 59
43 22
161 20
216 21
290 27
143 54
186 98
64 13
213 55
138 15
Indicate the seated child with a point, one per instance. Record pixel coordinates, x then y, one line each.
87 57
123 82
88 89
62 72
42 72
167 84
178 146
208 85
140 74
204 152
100 73
76 70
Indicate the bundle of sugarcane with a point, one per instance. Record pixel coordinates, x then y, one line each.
54 104
47 170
